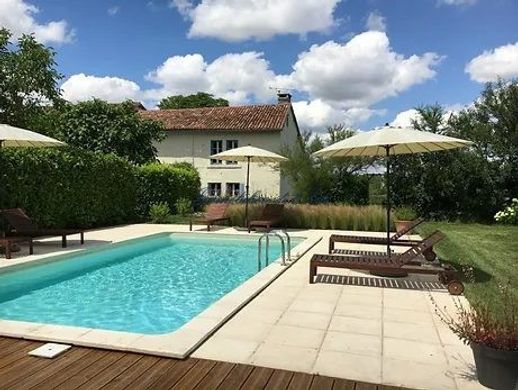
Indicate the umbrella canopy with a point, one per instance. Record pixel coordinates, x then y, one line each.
398 140
11 136
388 141
249 154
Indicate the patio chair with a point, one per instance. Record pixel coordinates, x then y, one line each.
216 212
407 262
395 240
271 215
24 227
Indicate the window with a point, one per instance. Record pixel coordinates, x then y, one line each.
214 189
233 189
232 144
216 147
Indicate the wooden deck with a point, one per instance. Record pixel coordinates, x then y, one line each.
88 368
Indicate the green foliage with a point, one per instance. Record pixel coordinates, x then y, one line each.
105 128
200 99
165 183
405 214
509 215
308 216
183 206
465 184
67 187
159 212
28 78
325 180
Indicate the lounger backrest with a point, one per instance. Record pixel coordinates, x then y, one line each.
216 210
420 248
19 220
272 211
407 228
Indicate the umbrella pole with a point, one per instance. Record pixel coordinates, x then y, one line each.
387 179
247 188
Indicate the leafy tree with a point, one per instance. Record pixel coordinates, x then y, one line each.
200 99
28 79
106 128
321 180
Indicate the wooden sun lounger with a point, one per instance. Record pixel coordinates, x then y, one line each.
216 212
24 227
270 216
407 261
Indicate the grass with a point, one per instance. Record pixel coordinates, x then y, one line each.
491 249
307 216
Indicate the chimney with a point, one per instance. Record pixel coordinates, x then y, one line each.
283 98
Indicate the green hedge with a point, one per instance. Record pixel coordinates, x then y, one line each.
68 187
165 183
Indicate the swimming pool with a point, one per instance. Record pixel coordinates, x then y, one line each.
152 285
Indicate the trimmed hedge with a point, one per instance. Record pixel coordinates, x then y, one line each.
165 183
68 187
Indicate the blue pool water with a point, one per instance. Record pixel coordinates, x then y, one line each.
153 285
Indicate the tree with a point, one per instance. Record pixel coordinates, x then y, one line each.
107 128
326 180
200 99
28 79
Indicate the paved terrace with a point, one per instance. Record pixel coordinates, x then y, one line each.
343 327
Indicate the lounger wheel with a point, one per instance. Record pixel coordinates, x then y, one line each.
455 287
430 255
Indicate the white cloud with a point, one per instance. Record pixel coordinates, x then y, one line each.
80 87
456 2
358 73
113 10
240 20
376 22
237 77
19 17
405 118
491 64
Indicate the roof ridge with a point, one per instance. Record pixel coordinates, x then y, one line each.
222 107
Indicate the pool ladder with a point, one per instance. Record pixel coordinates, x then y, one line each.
280 234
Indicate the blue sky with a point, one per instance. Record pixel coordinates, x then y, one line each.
361 62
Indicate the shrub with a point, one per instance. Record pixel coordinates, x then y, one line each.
165 183
183 206
159 213
405 214
67 187
508 215
324 216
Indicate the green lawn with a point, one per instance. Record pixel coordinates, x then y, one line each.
491 249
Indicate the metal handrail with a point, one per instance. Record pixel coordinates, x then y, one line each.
288 241
267 235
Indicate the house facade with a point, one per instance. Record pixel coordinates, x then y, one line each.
193 135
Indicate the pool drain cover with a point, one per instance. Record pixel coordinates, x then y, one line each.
50 350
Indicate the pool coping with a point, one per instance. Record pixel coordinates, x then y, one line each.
177 344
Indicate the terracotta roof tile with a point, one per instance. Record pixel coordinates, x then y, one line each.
271 117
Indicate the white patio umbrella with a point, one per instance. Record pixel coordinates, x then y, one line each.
11 136
249 154
388 141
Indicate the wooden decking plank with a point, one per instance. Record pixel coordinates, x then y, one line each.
322 383
343 384
236 377
300 381
62 362
16 354
126 379
196 374
280 379
217 375
92 370
114 370
73 369
258 378
173 373
17 371
366 386
152 374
